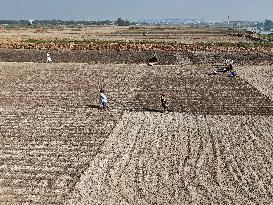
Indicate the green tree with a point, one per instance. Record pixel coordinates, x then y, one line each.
268 25
121 22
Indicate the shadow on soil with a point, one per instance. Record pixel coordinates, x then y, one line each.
145 109
93 106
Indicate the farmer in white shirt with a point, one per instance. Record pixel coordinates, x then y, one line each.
103 100
48 58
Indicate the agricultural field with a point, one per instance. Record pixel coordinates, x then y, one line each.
133 38
188 35
259 76
174 45
51 126
213 146
53 136
178 158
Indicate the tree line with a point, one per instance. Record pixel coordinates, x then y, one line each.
55 22
267 25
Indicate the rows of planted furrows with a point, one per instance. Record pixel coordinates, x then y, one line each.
188 56
51 127
191 34
180 158
195 91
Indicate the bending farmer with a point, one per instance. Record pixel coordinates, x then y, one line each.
103 100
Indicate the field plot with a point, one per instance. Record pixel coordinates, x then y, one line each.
155 158
164 33
191 89
116 56
188 35
77 33
51 127
53 136
261 77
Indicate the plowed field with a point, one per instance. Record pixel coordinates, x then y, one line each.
57 146
154 158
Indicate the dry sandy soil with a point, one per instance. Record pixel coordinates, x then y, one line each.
259 76
214 146
57 147
19 34
178 158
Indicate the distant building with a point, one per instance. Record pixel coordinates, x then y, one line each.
201 22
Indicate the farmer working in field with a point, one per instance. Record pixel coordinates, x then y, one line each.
228 67
103 100
153 61
48 58
164 102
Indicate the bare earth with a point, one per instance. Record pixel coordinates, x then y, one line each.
261 77
57 147
182 159
51 126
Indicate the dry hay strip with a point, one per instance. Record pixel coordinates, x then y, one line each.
133 46
153 158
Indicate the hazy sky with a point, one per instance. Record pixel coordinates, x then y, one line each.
136 9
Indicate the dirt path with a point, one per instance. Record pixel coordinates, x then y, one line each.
182 159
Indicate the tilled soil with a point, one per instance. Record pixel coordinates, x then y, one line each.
261 77
45 150
155 158
93 57
190 57
51 126
193 90
52 132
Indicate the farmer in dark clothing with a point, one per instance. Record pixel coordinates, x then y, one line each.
164 102
153 61
229 67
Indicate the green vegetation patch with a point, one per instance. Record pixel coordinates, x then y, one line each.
266 42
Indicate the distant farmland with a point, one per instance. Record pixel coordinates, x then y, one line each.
213 146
